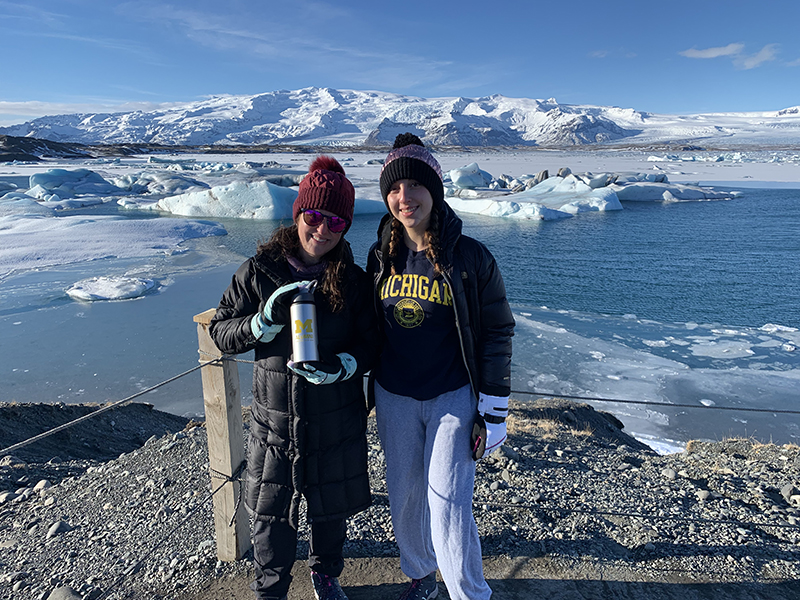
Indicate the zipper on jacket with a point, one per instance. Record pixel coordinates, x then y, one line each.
449 282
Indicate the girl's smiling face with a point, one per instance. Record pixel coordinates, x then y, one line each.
411 203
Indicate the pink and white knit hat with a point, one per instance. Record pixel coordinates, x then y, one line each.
409 159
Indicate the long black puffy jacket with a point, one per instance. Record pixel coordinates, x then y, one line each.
305 439
483 317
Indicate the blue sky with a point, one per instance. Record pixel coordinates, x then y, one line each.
65 56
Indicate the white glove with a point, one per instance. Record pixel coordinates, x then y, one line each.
263 331
494 410
264 325
322 373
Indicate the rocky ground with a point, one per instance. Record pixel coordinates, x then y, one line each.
571 507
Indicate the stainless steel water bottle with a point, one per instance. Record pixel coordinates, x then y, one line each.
303 319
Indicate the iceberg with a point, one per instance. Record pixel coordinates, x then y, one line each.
570 194
553 198
470 176
475 191
110 288
243 200
157 183
646 191
68 184
19 204
240 199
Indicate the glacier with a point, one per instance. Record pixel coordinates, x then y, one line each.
353 118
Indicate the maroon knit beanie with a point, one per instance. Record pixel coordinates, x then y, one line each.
326 188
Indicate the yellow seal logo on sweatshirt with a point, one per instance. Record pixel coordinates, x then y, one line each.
408 313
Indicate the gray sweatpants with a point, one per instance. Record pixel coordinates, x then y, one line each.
430 476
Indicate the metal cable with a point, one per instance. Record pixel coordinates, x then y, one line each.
100 411
652 403
234 478
781 411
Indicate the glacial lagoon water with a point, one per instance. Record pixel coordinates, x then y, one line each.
692 303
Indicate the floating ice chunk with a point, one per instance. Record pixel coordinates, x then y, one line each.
597 180
569 194
240 199
57 203
707 402
504 208
470 176
722 349
648 191
530 210
39 192
157 183
72 183
19 204
633 177
110 288
655 343
772 328
6 186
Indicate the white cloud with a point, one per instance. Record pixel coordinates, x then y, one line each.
729 50
766 54
736 51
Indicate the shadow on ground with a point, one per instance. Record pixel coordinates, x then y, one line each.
518 578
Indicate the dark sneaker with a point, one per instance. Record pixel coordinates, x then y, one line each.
327 587
422 589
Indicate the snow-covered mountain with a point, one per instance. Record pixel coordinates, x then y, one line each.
324 116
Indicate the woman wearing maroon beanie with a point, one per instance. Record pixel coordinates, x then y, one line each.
308 426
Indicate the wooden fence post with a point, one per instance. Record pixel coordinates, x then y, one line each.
223 407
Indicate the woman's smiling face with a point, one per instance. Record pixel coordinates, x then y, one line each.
316 242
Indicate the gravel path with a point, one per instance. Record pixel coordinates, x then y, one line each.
571 507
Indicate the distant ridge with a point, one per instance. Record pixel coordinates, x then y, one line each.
347 118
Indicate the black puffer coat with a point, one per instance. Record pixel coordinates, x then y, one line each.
483 318
305 439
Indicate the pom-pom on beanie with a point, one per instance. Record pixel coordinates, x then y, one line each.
409 159
326 188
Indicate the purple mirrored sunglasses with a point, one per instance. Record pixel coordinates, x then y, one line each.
314 218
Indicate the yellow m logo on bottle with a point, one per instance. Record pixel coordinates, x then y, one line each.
302 326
